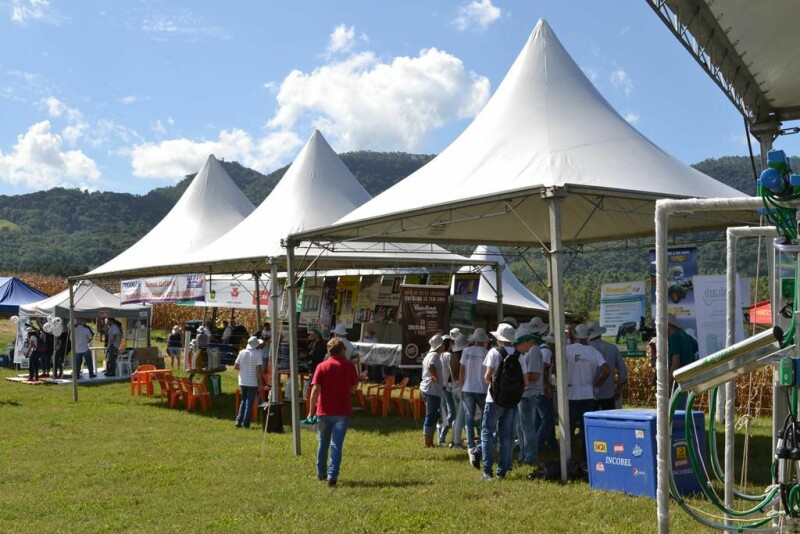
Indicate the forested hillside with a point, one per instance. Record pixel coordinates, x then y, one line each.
66 232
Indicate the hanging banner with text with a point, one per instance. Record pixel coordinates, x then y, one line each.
367 298
163 289
465 300
328 302
424 314
346 295
621 303
386 309
710 311
232 293
312 302
681 267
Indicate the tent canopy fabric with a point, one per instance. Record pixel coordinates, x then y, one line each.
746 49
210 206
515 294
545 132
316 190
91 301
14 293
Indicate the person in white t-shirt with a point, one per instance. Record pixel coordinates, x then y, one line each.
431 387
546 430
586 370
532 397
473 387
114 341
83 337
251 376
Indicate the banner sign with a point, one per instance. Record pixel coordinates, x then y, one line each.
367 298
438 279
240 294
681 267
621 303
346 295
386 309
328 301
710 312
465 300
163 289
378 354
425 314
312 302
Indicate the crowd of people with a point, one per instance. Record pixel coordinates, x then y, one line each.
510 377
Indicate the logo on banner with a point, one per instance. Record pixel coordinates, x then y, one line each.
195 281
638 472
637 451
639 434
619 448
681 456
234 292
600 446
613 460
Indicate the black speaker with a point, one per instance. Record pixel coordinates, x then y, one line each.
273 423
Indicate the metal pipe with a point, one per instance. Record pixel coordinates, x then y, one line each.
663 210
292 315
276 339
732 236
560 356
72 342
498 272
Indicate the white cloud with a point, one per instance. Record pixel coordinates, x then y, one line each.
341 39
39 161
76 125
23 11
364 103
129 99
632 117
175 158
170 120
182 25
158 127
621 80
478 14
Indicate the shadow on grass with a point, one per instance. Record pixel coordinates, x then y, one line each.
10 403
384 483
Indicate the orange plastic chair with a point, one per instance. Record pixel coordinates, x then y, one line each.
397 400
164 392
196 392
415 402
174 390
142 379
376 390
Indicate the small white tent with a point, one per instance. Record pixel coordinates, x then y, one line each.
517 298
91 301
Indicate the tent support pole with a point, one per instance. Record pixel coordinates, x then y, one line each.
258 301
292 315
557 307
71 329
276 340
498 271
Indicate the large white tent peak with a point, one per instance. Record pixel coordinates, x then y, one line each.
210 206
546 126
514 292
317 189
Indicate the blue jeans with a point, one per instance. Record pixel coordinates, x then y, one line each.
84 357
332 429
111 354
432 405
502 420
448 408
246 405
546 429
529 416
469 401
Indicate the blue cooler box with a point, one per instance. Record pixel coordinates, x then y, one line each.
621 451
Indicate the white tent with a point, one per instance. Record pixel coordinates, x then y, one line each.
546 131
91 301
515 294
547 159
210 206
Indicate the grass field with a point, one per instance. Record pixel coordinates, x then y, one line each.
115 463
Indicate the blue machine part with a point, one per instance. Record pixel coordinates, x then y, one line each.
773 180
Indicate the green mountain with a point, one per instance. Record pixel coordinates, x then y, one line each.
66 232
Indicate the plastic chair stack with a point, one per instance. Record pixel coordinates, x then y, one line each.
196 392
378 390
174 391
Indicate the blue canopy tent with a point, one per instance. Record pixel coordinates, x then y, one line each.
14 292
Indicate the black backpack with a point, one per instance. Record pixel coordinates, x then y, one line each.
507 381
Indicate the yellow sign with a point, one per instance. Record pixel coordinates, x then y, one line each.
680 452
600 446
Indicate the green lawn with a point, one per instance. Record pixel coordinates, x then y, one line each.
113 463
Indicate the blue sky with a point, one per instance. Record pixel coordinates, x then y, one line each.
129 96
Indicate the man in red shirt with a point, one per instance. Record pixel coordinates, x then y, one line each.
335 379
